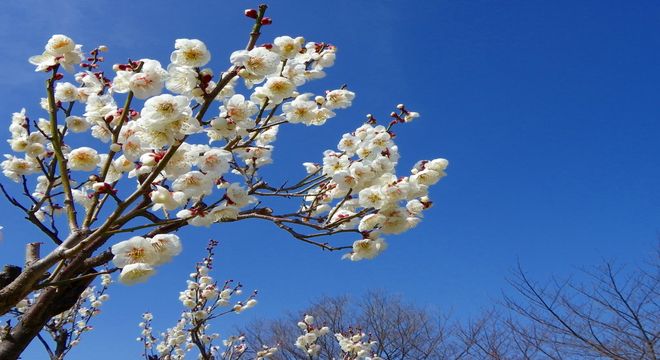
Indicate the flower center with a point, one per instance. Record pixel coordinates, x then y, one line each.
136 254
192 54
166 108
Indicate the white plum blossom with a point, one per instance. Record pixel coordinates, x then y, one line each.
147 82
258 61
338 99
136 273
237 108
77 124
166 246
60 50
98 107
14 167
165 199
90 85
83 159
367 248
66 92
224 212
287 46
215 161
181 79
60 45
196 217
194 184
134 250
278 88
239 196
300 110
190 52
161 111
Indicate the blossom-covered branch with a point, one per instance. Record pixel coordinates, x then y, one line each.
186 148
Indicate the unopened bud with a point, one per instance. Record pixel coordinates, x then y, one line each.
99 186
115 147
251 13
206 78
59 76
266 21
400 107
103 48
319 100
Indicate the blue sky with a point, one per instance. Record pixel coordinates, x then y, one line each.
547 111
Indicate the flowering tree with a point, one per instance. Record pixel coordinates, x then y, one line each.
205 300
193 157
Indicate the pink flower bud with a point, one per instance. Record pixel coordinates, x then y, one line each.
251 13
266 21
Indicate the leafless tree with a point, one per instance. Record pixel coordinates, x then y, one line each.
402 330
612 314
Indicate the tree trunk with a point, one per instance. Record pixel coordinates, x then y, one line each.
52 301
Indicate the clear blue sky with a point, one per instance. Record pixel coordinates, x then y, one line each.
547 110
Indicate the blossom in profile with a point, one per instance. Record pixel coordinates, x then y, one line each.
166 246
136 273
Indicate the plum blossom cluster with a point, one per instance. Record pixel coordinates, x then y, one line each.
362 190
152 140
138 256
357 188
356 345
204 299
307 341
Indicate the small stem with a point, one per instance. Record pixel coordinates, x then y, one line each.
59 155
67 281
254 35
